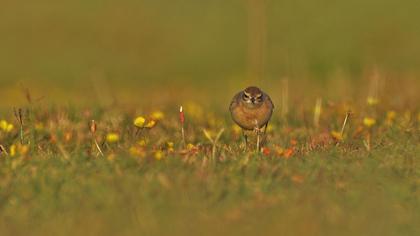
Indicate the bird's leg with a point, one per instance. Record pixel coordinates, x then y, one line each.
245 138
258 141
258 132
264 135
265 128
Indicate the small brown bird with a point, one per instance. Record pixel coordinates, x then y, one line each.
251 109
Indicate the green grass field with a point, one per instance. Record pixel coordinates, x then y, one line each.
66 63
310 179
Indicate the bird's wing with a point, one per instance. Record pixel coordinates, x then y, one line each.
269 99
235 101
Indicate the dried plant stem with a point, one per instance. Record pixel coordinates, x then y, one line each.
63 151
3 150
97 146
216 140
183 135
19 118
367 142
93 128
345 123
317 112
21 134
257 130
182 120
213 141
258 141
213 151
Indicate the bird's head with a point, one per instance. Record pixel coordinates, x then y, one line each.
253 96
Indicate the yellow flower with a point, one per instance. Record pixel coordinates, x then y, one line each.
3 124
372 101
279 150
133 151
337 135
139 122
23 149
12 150
369 122
190 146
112 137
390 115
9 128
138 152
150 124
170 146
158 155
142 142
6 127
157 115
18 150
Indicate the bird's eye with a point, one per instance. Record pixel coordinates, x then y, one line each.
246 96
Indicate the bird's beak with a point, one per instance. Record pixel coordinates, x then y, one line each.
253 100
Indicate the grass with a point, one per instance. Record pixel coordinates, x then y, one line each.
63 174
311 178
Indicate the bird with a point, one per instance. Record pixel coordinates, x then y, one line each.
251 109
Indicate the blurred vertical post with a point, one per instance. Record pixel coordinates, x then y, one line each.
317 112
256 45
374 87
284 98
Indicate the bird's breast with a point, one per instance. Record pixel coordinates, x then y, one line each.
249 118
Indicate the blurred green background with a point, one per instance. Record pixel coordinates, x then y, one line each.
141 43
